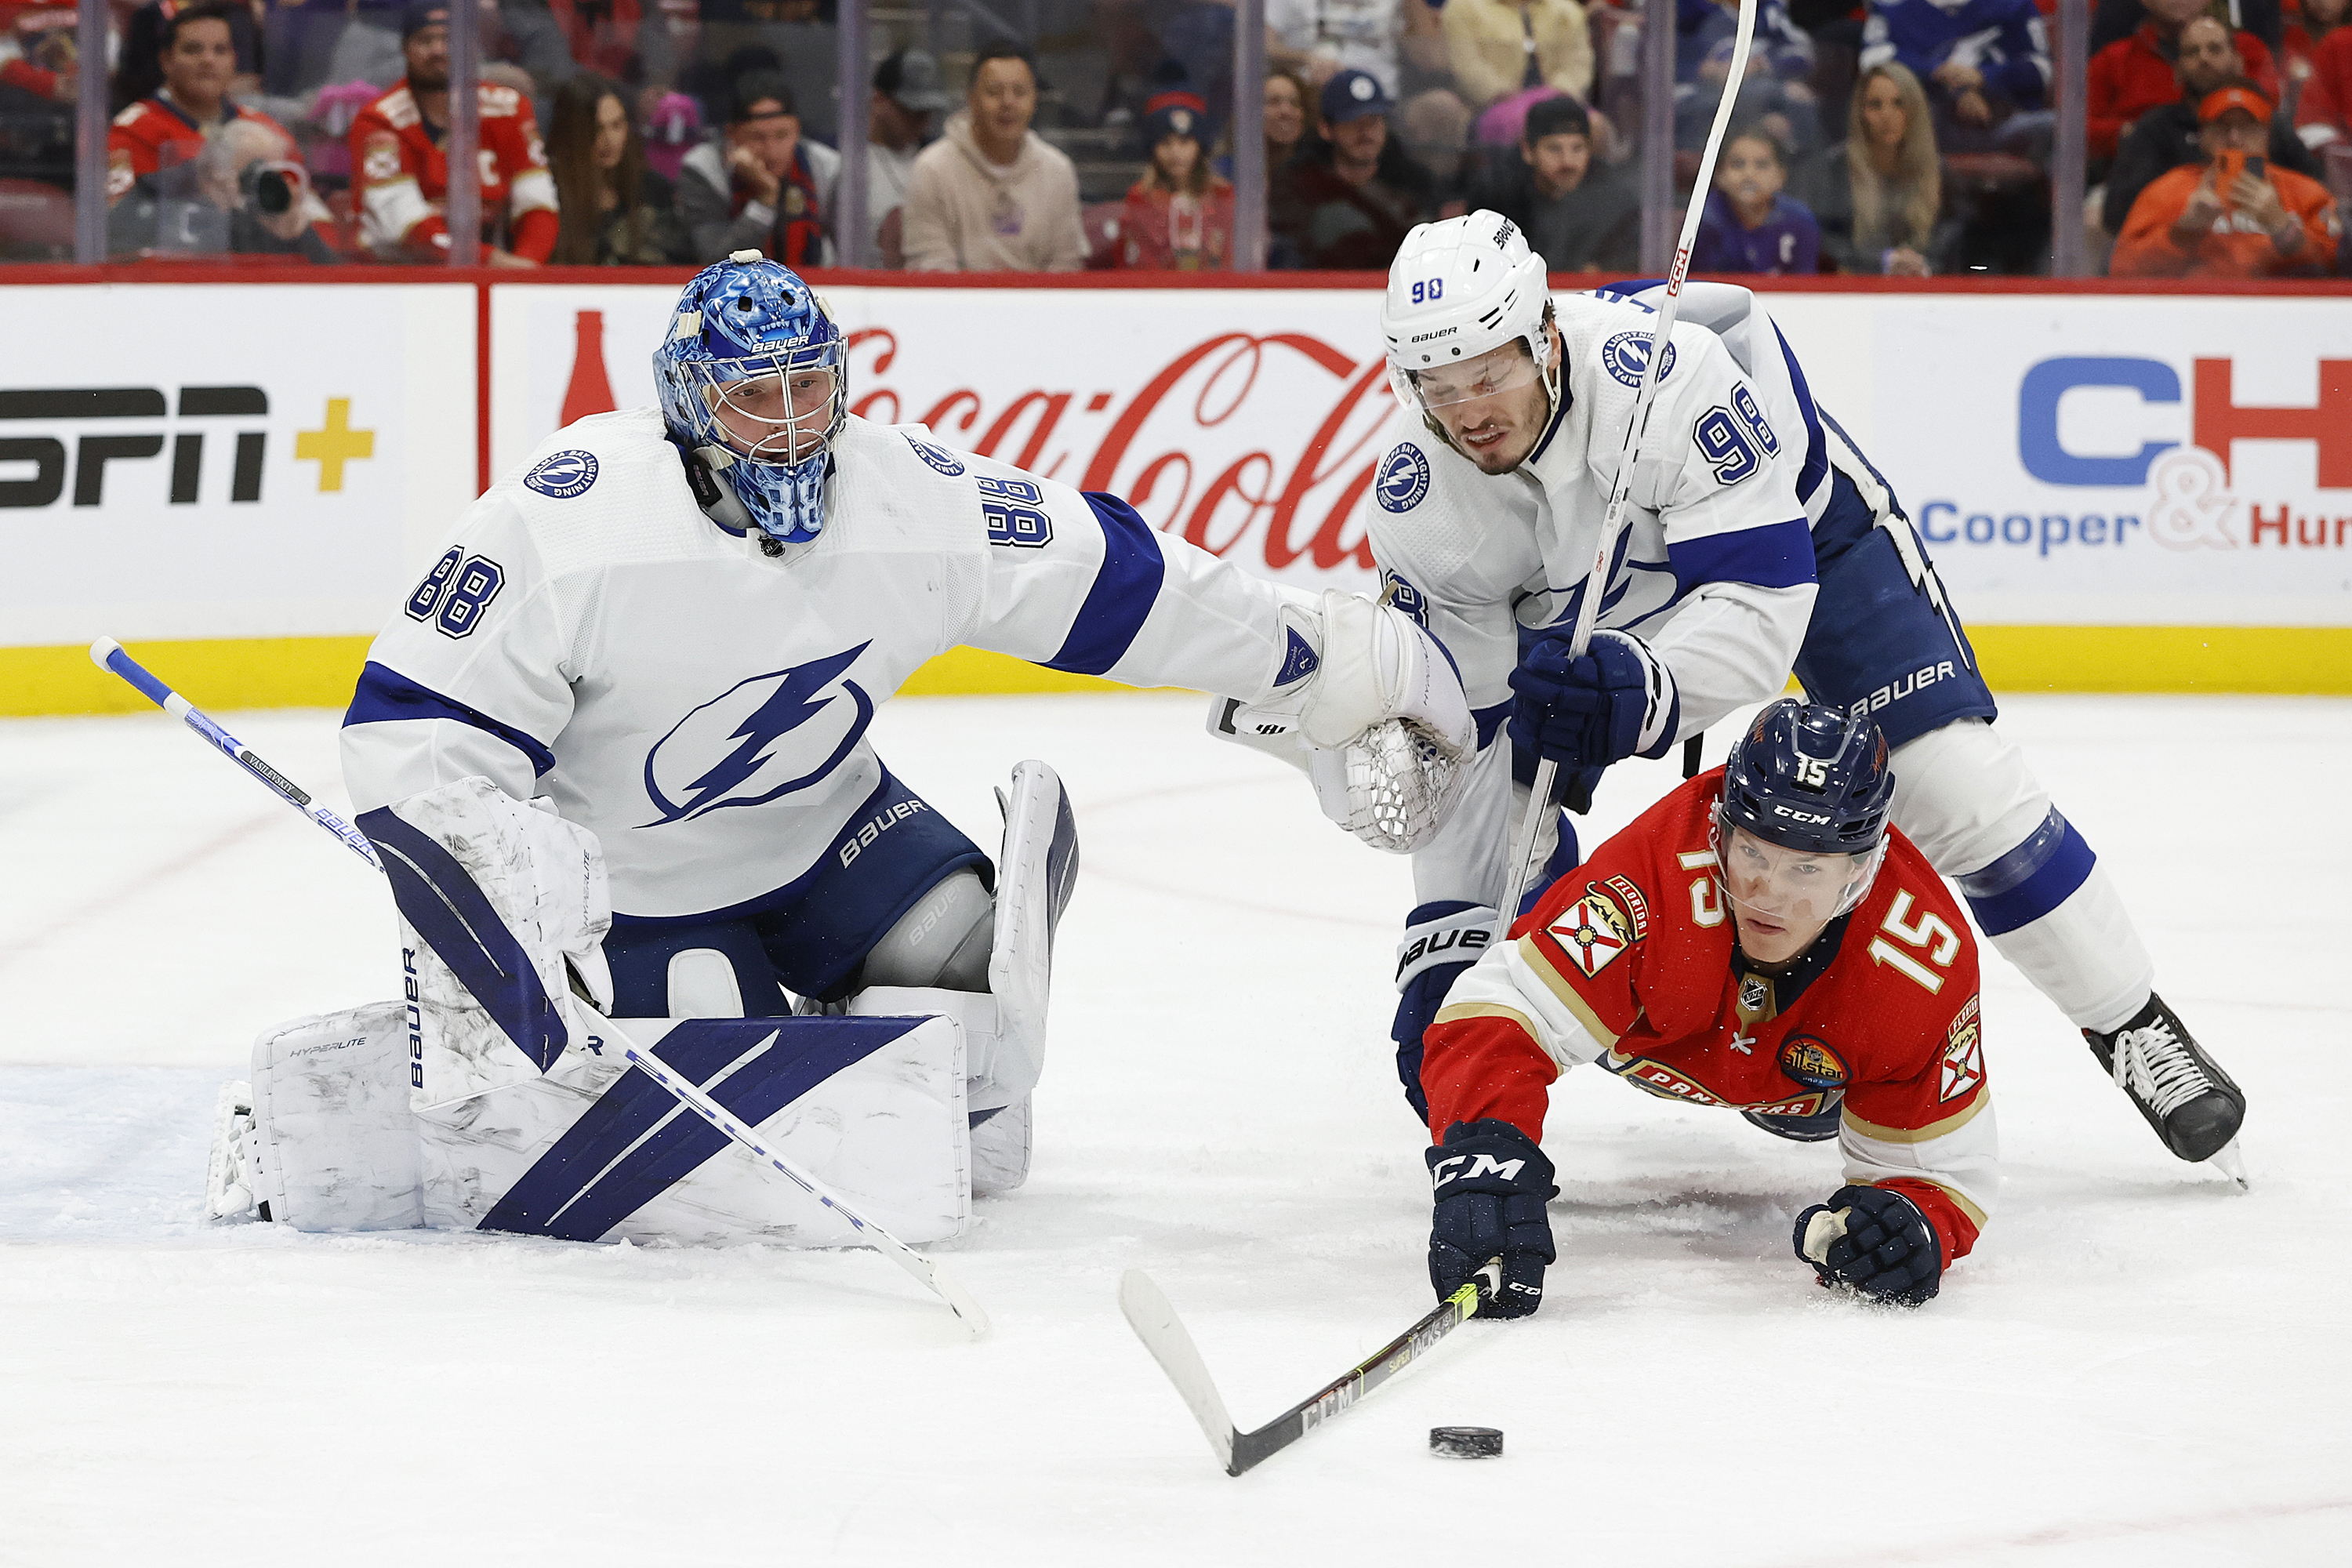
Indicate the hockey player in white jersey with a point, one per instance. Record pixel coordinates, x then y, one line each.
669 629
1757 540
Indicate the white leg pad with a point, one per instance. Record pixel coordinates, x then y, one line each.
1035 877
333 1144
2086 955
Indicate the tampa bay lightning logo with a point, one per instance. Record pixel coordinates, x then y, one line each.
565 475
938 457
733 751
1627 355
1404 478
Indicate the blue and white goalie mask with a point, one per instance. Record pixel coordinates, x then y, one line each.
754 386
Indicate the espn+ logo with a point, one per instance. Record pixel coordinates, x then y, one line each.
2180 494
107 427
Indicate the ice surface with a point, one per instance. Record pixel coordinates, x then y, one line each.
2140 1365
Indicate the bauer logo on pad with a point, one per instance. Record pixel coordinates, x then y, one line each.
565 475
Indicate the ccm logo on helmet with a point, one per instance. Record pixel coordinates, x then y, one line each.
1813 816
1480 1165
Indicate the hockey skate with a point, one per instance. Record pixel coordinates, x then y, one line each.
2190 1100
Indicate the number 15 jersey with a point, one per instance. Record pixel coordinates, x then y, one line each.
1630 960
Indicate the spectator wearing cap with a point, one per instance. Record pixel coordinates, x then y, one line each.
991 196
2133 75
1349 204
907 94
1578 213
2168 136
1321 38
762 186
1499 47
1180 215
2237 216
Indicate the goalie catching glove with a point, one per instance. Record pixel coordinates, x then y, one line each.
1379 722
1876 1240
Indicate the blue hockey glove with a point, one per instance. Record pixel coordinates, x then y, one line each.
1491 1182
1441 940
1876 1241
1617 701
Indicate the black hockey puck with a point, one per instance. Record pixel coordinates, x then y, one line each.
1466 1442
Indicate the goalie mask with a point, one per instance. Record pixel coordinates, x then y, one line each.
755 388
1806 794
1458 291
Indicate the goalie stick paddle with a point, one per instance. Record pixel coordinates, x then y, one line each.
1163 1333
1596 580
108 656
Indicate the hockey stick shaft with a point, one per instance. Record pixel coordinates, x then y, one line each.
107 654
1164 1335
1596 579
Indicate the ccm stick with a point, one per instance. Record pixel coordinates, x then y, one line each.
1596 579
107 654
1155 1322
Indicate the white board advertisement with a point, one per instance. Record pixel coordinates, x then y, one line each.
230 460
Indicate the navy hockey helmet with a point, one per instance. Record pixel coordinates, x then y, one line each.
1807 778
754 385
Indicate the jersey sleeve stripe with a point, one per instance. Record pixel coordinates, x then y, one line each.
1125 589
1961 1200
1949 1124
1817 457
1776 555
1457 1014
2031 880
387 697
1569 997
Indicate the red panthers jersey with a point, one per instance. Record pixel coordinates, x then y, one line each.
154 132
403 175
1630 962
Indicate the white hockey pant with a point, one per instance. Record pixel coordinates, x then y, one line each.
1964 795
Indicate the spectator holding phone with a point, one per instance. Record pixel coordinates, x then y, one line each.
2237 215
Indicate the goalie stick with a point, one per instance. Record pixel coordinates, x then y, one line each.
1155 1322
1596 580
107 654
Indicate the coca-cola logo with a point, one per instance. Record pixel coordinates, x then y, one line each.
1220 445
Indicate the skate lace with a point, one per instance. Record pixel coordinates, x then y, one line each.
2157 1068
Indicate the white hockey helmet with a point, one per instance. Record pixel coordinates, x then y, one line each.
1459 289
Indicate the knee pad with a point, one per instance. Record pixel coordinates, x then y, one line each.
943 942
1965 796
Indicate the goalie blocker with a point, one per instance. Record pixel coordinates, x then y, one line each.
487 1097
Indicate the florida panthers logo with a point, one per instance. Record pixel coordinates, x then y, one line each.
1627 355
734 749
1404 479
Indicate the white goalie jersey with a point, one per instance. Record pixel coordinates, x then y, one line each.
702 707
1714 568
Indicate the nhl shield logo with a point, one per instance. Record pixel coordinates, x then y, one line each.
1754 994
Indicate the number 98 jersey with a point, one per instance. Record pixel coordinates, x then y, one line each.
1630 962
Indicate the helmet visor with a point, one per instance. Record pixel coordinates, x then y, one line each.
777 408
1496 373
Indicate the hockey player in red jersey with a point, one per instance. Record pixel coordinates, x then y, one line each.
403 167
1762 940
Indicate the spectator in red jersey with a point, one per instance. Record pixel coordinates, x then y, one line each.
2325 112
615 211
1180 215
198 56
762 186
400 161
2133 75
2237 216
2168 136
2319 20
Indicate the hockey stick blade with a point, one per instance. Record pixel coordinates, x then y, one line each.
1163 1333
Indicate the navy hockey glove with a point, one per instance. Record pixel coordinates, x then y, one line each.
1615 702
1876 1241
1491 1182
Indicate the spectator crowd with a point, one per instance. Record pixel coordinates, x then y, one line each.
1904 138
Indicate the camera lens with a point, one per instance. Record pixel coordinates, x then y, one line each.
272 194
